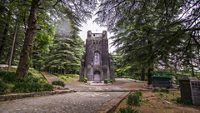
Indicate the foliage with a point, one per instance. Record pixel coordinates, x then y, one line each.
34 82
3 87
127 110
164 90
152 35
8 76
14 22
181 101
31 84
66 51
84 80
134 98
108 81
59 83
67 77
26 86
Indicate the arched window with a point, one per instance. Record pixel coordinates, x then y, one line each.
96 58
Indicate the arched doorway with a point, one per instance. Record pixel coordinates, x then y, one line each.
97 76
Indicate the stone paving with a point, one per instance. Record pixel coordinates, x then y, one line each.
79 102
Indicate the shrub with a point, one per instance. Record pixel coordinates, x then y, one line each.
85 80
164 90
47 87
139 93
32 87
181 101
134 98
127 110
59 83
27 87
108 81
31 84
8 76
3 87
9 82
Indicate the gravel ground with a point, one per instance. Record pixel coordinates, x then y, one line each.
79 102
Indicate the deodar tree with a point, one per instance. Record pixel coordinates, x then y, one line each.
75 10
154 34
25 56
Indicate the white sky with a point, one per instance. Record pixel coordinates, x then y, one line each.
95 28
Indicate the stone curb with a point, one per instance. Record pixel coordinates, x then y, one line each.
115 90
111 105
33 94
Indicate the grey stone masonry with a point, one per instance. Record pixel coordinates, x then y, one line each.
97 63
190 90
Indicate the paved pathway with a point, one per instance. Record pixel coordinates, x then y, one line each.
79 102
86 100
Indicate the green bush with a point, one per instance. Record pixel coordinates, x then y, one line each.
27 87
181 101
164 90
134 98
139 93
8 76
30 83
85 80
32 87
127 110
3 87
108 81
47 87
59 83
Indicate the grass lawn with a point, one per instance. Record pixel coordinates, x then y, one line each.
68 78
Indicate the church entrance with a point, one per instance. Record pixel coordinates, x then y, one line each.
97 77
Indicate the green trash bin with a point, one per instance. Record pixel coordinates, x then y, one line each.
162 81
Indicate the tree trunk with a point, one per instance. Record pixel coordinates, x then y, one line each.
3 39
142 74
13 45
3 26
192 68
26 52
149 75
150 64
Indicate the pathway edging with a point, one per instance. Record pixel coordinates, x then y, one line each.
33 94
111 105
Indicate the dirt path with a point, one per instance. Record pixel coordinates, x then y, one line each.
158 102
50 78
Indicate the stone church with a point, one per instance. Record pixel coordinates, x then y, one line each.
96 64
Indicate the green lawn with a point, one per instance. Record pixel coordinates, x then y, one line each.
67 78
